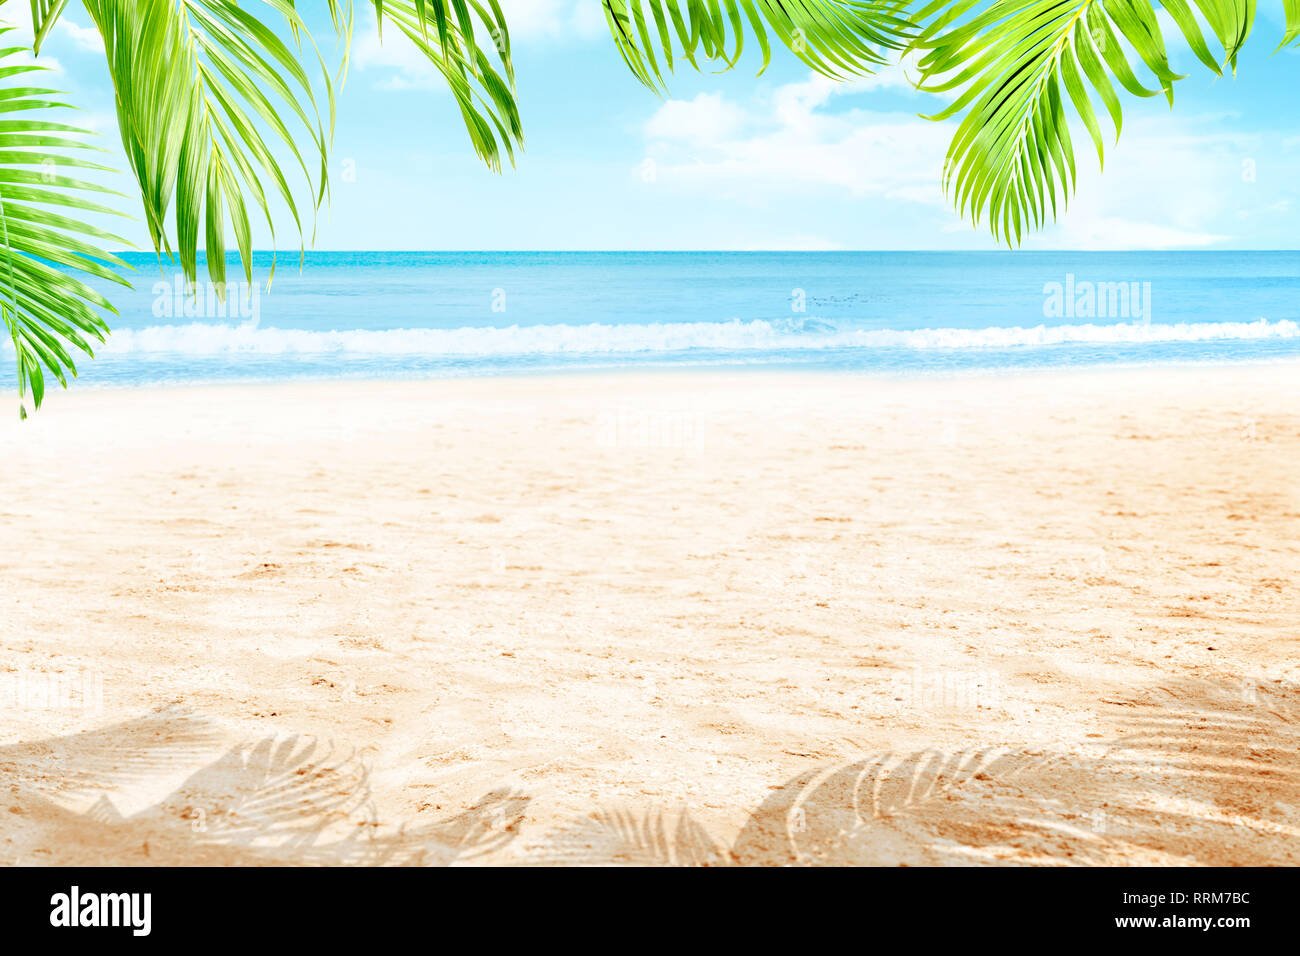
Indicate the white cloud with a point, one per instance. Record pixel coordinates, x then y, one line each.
19 16
706 119
84 38
98 122
790 143
404 66
553 19
1173 181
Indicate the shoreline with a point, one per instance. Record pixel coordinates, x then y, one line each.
741 371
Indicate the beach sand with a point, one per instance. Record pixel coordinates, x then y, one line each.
727 618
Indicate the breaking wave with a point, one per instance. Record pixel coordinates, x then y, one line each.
204 339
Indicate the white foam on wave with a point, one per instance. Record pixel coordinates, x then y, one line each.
202 339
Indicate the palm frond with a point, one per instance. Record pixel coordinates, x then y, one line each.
207 93
1292 34
45 252
445 32
836 37
1016 62
45 13
1231 21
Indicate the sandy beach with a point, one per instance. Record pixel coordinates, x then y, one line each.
686 617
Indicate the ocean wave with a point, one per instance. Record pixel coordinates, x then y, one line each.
784 335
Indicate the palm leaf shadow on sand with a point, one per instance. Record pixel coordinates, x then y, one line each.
1198 772
278 800
632 839
92 761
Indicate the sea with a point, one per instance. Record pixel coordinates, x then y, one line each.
406 315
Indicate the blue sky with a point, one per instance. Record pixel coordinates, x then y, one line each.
734 161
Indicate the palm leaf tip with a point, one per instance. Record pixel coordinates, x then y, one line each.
1291 33
45 14
468 44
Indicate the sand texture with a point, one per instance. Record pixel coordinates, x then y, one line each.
749 618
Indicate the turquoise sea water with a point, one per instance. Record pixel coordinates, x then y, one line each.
403 314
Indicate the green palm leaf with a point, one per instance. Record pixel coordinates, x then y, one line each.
835 37
1016 62
209 98
45 252
44 15
445 32
1292 10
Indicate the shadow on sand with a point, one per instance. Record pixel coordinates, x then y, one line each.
278 800
1195 773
